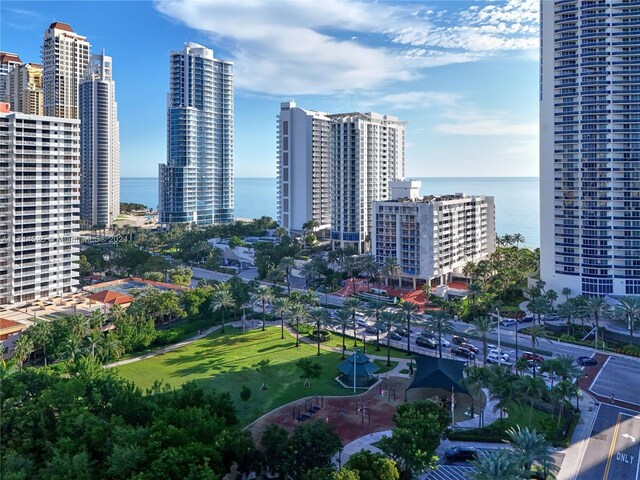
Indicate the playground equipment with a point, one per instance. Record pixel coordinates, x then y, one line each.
363 410
303 411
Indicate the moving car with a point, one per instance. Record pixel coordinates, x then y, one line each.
504 357
426 342
587 361
531 356
427 334
527 319
498 351
463 352
460 454
508 322
470 346
457 339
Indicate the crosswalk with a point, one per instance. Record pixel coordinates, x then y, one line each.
450 472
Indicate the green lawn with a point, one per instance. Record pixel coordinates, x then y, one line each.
224 362
383 366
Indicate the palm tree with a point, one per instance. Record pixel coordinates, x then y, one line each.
369 266
498 464
319 317
475 290
390 319
298 312
536 332
539 306
530 448
285 266
343 318
440 323
351 264
518 238
390 268
263 295
374 307
72 348
628 310
482 326
281 309
222 300
568 310
353 305
310 271
409 310
566 292
596 307
336 257
41 333
531 388
22 349
94 341
111 347
564 366
551 296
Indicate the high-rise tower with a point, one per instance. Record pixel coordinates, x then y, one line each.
65 56
24 89
590 146
196 184
303 168
99 144
8 61
367 150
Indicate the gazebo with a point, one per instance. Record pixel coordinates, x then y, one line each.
358 371
440 375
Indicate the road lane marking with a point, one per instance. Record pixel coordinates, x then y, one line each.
629 437
613 446
595 380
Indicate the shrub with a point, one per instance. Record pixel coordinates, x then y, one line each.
165 337
567 338
245 393
633 350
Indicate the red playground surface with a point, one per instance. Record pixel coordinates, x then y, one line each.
352 416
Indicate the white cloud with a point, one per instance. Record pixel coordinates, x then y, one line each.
297 47
468 121
417 99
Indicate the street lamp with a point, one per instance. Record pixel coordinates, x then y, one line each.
499 349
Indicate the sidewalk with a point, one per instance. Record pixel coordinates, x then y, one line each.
363 443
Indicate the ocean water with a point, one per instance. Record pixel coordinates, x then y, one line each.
516 198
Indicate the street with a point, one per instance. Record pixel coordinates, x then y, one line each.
613 450
619 376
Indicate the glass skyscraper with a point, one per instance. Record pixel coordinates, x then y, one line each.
196 184
590 146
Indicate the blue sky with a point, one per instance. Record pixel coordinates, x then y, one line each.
463 74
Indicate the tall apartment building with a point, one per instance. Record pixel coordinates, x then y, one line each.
24 89
367 150
99 144
8 61
196 184
432 237
590 146
39 206
65 56
303 168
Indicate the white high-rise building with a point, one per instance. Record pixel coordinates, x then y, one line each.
431 237
24 89
39 206
367 150
590 146
99 144
303 168
8 61
65 56
196 184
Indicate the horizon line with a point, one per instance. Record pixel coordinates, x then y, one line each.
407 177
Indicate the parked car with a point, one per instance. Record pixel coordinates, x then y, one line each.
508 322
531 356
444 342
494 349
462 352
587 361
402 332
458 340
371 329
460 454
427 334
361 321
395 336
470 346
426 342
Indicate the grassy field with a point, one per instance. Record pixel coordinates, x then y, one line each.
225 363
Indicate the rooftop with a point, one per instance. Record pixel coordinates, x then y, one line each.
61 26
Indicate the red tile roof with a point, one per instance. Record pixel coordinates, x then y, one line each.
6 323
6 57
110 297
61 26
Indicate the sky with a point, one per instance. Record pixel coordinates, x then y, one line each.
462 74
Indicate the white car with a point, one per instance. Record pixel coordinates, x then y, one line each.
444 342
500 353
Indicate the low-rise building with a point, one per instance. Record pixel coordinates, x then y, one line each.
431 237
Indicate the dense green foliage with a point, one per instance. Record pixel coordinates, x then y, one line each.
94 426
127 207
